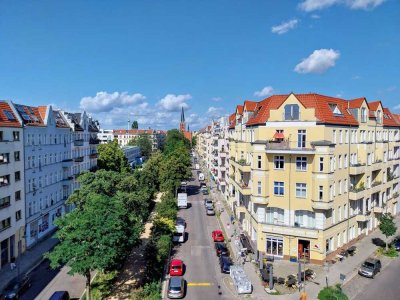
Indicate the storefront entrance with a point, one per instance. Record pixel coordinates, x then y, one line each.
303 252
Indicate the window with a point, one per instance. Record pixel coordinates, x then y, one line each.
363 115
16 135
301 138
333 216
17 176
275 215
16 156
1 136
259 187
335 109
334 137
340 213
279 188
4 158
340 187
259 161
321 193
17 195
340 161
301 190
330 193
346 163
321 164
347 136
341 136
274 246
18 215
328 245
5 202
279 162
301 163
346 187
304 218
292 112
345 211
4 224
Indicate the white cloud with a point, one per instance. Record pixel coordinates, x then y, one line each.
216 99
266 91
284 27
312 5
315 16
318 62
173 102
104 101
213 111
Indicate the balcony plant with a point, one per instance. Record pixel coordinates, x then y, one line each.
390 176
359 188
395 195
375 183
242 162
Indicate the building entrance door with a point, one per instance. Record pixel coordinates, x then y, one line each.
303 252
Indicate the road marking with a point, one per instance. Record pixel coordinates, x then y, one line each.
199 284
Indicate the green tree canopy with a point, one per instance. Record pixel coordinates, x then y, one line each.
144 142
135 125
387 226
194 141
112 158
91 238
174 137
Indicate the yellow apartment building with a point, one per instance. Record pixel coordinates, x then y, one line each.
311 174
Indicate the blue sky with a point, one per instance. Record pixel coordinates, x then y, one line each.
143 60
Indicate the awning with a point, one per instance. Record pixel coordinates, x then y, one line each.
279 135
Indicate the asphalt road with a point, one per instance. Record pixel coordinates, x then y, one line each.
40 277
202 274
385 286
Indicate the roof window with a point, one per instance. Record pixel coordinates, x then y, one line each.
335 109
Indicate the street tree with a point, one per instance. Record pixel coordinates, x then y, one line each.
387 227
143 141
194 141
90 238
135 125
149 176
174 137
112 158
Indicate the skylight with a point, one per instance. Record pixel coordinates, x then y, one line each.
9 115
335 109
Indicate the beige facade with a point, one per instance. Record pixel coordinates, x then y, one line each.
308 176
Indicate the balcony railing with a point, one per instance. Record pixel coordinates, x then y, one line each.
78 159
287 146
93 141
93 155
376 183
78 142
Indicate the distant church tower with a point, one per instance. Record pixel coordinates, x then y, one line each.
182 125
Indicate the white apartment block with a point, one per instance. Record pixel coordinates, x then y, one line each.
84 143
123 136
105 136
47 156
12 204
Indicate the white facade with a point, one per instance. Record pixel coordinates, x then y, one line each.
48 182
123 137
105 136
12 208
133 155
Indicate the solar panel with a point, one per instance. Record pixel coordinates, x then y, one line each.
30 110
25 116
9 115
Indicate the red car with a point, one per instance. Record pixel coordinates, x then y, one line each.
176 268
218 236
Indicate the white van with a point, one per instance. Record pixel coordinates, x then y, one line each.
179 235
197 167
201 177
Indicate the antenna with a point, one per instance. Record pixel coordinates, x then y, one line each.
129 124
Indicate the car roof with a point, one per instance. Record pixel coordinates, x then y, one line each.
176 262
225 259
57 295
175 281
217 231
372 260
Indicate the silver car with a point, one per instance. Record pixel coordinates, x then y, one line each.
176 288
210 211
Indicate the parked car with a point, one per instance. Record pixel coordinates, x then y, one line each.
210 211
180 221
370 268
176 287
225 263
204 192
218 236
60 295
208 203
16 287
396 244
220 249
176 267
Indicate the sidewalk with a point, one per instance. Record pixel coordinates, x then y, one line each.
27 261
347 267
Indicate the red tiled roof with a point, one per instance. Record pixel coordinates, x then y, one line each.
4 121
133 131
319 102
33 118
239 109
373 106
392 120
356 103
249 105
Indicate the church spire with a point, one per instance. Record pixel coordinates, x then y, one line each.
182 116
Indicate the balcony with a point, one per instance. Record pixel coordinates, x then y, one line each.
356 169
291 231
377 165
357 193
286 147
78 159
93 141
375 187
241 164
377 209
322 205
78 142
93 155
260 200
361 217
67 178
222 154
242 187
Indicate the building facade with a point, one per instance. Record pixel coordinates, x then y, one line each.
133 155
311 173
47 157
105 136
12 196
123 137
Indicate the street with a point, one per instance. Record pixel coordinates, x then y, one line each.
385 286
203 276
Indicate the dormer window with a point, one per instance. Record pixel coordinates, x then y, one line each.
335 109
292 112
363 115
379 117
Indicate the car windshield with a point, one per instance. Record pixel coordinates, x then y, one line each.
178 234
368 265
176 267
175 288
